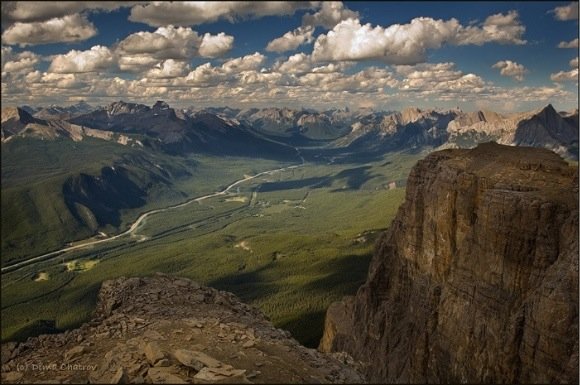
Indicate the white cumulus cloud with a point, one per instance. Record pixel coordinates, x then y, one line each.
569 44
18 62
171 42
168 69
291 40
165 42
215 45
408 43
566 12
567 76
398 44
160 13
298 63
301 63
6 54
498 28
330 14
207 75
441 80
22 62
98 58
245 63
30 11
368 80
142 50
66 29
61 81
511 69
136 63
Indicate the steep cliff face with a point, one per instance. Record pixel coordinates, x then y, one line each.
477 278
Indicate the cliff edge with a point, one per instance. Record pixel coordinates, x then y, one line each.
165 329
476 280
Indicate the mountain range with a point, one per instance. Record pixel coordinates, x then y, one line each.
93 163
255 131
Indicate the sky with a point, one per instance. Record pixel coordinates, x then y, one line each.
505 56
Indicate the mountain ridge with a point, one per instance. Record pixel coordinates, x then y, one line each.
179 133
366 130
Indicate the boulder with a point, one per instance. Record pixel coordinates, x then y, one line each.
195 360
153 352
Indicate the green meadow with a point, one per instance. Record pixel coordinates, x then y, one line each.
290 243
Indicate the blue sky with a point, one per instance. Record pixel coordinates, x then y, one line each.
507 56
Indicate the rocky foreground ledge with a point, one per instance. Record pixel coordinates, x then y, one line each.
164 329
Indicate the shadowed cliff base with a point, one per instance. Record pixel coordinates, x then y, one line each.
476 280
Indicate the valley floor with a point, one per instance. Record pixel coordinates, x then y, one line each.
289 241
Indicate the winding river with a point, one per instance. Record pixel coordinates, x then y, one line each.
144 216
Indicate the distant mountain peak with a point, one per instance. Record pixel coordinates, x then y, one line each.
122 107
549 110
16 113
415 110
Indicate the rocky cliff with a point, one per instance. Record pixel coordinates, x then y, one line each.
164 329
539 128
477 278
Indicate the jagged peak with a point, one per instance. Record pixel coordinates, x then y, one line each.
122 107
547 109
489 115
16 113
411 110
546 112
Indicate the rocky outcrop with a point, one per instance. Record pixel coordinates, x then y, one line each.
16 122
477 278
62 112
176 133
539 128
13 121
548 129
410 128
288 122
164 329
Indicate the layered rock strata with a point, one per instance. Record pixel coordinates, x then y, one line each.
476 280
